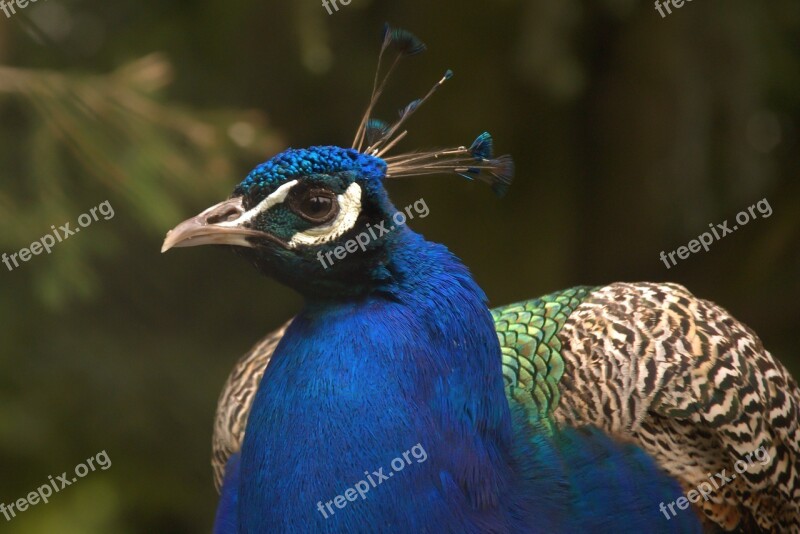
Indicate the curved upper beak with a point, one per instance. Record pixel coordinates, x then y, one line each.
218 225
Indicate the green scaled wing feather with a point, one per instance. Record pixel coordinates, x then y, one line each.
532 359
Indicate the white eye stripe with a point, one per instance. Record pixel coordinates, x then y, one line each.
277 197
349 209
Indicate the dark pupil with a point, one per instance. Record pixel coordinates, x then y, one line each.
317 206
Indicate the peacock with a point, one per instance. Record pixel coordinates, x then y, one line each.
630 407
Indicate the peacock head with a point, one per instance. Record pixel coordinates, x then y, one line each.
293 215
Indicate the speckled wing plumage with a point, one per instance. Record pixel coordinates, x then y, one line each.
646 363
677 375
235 400
692 386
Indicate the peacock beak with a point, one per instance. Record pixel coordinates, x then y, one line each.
221 224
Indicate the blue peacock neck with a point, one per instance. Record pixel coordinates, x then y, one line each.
356 382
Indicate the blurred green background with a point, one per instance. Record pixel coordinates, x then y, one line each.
631 133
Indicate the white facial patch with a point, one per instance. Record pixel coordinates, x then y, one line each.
277 197
349 208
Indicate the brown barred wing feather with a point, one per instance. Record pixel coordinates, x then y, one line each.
696 389
235 400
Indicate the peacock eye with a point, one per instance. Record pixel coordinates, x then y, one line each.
317 205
